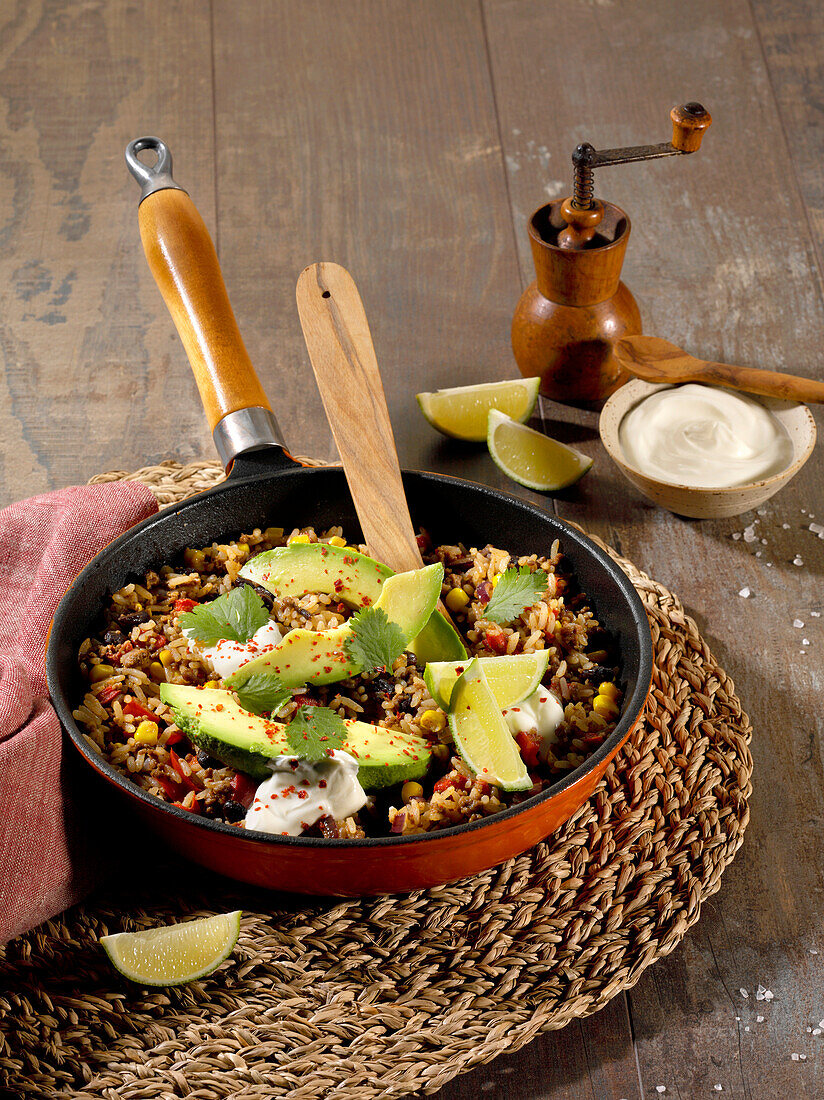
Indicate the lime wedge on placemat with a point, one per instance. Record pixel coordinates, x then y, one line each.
174 953
532 458
481 734
462 412
511 679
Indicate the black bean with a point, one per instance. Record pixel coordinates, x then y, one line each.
113 637
205 760
597 674
134 618
267 597
233 811
384 685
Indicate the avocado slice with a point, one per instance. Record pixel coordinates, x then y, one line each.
217 723
355 579
319 657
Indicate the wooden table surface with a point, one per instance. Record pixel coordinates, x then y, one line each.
410 141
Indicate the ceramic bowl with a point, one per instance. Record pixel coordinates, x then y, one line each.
698 503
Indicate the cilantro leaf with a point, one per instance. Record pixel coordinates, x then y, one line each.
237 616
517 590
263 691
314 732
375 640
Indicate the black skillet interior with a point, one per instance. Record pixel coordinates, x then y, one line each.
256 495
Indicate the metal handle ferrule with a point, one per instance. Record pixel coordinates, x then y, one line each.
246 430
157 177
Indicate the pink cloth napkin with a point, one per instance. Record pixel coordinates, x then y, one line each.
47 858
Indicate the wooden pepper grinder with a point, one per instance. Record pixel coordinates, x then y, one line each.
568 320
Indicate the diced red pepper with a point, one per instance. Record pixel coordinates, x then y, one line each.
109 694
175 737
448 781
193 809
243 789
181 606
173 790
496 641
184 778
424 542
528 744
136 710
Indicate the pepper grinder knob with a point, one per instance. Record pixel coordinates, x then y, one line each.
688 125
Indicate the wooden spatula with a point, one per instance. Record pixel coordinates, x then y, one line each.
657 360
343 359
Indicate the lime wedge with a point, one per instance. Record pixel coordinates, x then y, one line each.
174 953
462 411
511 679
532 458
481 734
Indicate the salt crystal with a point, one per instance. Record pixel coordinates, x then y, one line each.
803 511
736 535
768 995
798 560
786 526
769 565
759 1019
718 1088
660 1088
813 950
803 1057
821 1023
758 553
808 1030
797 623
817 529
749 533
805 641
794 1056
761 512
738 1017
816 1031
744 592
746 1029
762 994
763 542
816 614
743 993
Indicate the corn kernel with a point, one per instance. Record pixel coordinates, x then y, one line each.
336 540
410 791
243 547
157 672
298 538
166 657
609 690
195 559
146 733
456 599
495 579
100 672
433 720
605 707
211 684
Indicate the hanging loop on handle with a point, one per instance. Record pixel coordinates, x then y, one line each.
155 177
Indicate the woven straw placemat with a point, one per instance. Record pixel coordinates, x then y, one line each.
360 999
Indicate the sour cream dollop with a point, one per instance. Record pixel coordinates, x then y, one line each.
541 712
704 437
226 657
298 794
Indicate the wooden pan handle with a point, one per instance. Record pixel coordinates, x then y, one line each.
184 263
343 359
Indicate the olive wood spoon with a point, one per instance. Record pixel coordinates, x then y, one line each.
657 360
343 358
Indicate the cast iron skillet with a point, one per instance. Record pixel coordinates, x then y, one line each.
267 487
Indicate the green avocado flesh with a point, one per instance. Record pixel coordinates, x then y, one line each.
216 722
355 579
319 657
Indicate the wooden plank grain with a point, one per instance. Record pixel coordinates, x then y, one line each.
722 262
91 366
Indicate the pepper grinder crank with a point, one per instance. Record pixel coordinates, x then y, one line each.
569 319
